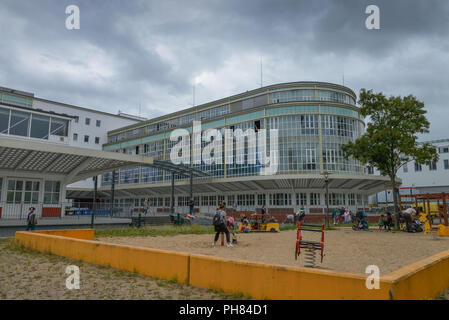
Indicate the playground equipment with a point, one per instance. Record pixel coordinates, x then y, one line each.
310 247
430 206
257 224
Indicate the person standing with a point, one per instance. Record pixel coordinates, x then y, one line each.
219 223
263 211
31 219
334 215
192 206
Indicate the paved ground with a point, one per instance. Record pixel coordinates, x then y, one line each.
25 274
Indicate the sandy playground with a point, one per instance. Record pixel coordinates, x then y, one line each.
345 250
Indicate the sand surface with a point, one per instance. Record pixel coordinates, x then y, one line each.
345 250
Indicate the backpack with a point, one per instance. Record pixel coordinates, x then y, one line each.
218 219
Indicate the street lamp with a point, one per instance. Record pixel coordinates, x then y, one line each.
326 180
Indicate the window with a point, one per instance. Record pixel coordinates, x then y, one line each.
31 192
418 167
443 149
77 119
86 139
370 170
20 122
433 166
301 199
51 192
59 127
75 137
98 123
315 199
4 120
87 121
39 126
261 199
14 192
97 140
1 186
405 168
446 164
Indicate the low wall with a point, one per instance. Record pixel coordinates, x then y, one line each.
425 279
150 262
86 234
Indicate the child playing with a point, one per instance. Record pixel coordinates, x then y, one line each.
381 222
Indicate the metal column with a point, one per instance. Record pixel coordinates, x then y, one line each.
94 207
172 207
112 194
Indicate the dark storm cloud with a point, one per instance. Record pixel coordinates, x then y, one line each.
149 53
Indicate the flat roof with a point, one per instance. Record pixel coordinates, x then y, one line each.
233 97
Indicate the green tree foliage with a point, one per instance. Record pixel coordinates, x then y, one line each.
390 140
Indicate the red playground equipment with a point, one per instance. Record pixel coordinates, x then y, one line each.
310 247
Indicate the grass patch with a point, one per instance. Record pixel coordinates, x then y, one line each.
154 231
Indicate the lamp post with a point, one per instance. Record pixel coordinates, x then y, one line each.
326 180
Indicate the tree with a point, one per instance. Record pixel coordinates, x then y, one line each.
390 140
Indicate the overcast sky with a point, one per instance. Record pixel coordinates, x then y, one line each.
150 53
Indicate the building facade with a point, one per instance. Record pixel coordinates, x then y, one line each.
417 178
312 120
26 118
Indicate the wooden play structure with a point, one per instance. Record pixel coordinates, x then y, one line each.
429 206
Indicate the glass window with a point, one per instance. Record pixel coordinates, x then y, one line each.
97 140
14 192
315 199
75 137
87 121
4 120
31 192
98 123
1 186
59 127
20 122
39 126
433 166
77 119
446 164
301 199
418 167
86 139
51 192
405 168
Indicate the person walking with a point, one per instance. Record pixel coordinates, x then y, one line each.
263 211
31 219
192 206
219 223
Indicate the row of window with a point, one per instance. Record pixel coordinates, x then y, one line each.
297 95
432 166
86 138
27 191
87 122
249 200
32 125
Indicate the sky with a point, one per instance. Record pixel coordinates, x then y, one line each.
145 57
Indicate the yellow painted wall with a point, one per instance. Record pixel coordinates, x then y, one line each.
150 262
264 281
425 279
86 234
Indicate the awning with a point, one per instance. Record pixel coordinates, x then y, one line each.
69 164
367 184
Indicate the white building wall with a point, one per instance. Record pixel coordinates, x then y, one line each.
80 128
424 181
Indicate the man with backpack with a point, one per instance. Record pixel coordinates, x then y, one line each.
219 223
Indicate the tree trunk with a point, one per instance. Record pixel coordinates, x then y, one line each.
395 201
